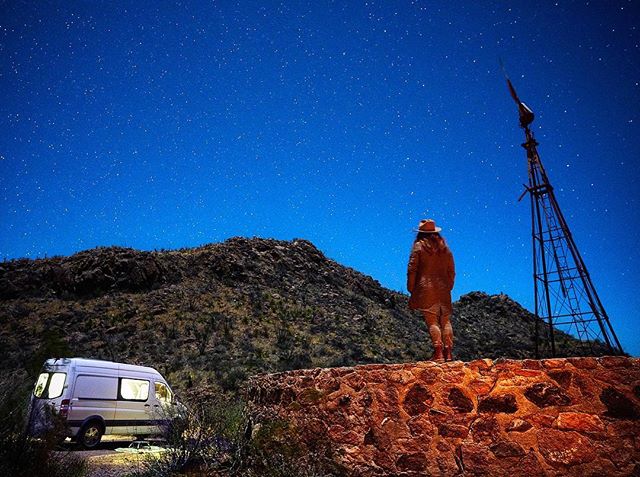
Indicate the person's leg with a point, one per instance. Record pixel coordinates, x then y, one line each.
447 334
446 329
433 323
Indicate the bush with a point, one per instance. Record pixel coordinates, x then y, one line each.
201 442
277 450
21 455
213 439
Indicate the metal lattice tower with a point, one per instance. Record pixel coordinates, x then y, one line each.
566 302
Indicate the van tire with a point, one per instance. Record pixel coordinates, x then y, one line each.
90 434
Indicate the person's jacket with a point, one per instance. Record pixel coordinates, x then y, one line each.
430 277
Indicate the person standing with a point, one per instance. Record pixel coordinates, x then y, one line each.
430 278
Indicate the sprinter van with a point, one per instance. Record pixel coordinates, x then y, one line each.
101 397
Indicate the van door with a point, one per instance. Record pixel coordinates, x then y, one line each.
47 398
163 409
93 395
134 410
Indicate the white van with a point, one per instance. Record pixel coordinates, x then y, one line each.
101 397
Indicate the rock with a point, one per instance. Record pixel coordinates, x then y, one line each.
618 405
546 394
412 462
486 428
563 377
529 466
518 425
507 449
615 361
370 438
453 430
421 426
417 400
480 386
447 464
579 421
478 460
505 403
532 364
541 419
565 448
459 401
553 363
583 363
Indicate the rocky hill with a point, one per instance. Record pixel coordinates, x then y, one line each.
215 314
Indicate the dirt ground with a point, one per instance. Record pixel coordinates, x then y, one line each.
105 461
112 464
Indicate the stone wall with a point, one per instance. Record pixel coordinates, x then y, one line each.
555 417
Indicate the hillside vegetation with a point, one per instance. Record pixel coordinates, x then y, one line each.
211 316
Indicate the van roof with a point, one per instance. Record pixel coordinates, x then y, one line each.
99 363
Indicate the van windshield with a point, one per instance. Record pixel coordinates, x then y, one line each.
49 385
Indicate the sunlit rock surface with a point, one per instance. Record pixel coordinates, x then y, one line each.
555 417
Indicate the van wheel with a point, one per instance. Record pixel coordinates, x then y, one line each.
90 435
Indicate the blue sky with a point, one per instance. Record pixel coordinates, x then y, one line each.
163 125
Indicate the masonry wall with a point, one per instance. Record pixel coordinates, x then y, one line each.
555 417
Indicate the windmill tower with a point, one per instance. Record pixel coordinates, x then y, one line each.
566 302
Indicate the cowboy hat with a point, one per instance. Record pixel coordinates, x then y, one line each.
427 226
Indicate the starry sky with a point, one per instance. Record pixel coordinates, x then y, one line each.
159 125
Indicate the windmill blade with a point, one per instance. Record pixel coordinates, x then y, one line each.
512 90
514 95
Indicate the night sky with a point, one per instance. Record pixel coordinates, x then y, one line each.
163 125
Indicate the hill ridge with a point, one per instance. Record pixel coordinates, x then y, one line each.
217 313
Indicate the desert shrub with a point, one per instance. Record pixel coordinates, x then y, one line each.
276 449
200 441
214 439
22 455
233 379
295 358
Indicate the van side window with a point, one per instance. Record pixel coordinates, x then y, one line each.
133 389
96 387
162 393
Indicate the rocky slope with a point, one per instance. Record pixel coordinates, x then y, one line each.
216 314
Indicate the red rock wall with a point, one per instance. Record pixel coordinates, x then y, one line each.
555 417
